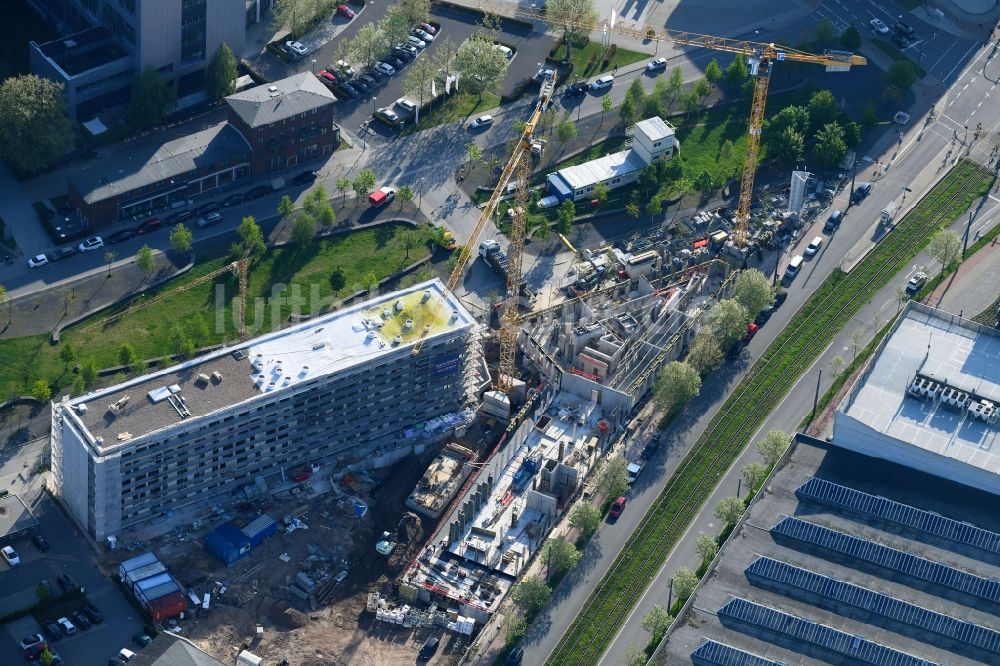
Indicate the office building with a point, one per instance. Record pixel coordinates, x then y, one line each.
343 390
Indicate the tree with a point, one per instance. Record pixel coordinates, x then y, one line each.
576 18
726 151
291 14
656 622
708 548
559 556
46 658
753 291
823 109
475 154
753 475
856 342
728 322
606 105
530 595
852 133
737 72
796 117
675 84
850 39
654 207
285 207
482 66
418 82
902 74
35 129
788 145
713 73
364 182
129 359
601 191
370 282
690 101
705 354
830 146
565 131
409 242
67 354
303 228
703 182
702 89
633 210
416 11
945 246
145 260
343 184
612 477
634 655
180 238
825 32
368 45
152 98
628 110
565 215
729 510
685 581
396 25
251 238
677 384
404 195
773 446
221 73
89 372
585 518
869 118
41 391
444 55
109 257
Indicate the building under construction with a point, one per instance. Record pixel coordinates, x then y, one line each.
343 389
442 480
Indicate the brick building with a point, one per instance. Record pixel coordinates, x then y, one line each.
285 122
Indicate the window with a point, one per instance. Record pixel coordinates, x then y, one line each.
657 144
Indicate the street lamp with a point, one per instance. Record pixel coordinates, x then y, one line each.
373 104
421 204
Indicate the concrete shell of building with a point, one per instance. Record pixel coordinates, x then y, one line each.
343 389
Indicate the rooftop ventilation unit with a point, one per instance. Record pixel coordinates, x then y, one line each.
399 305
118 406
202 379
217 377
273 91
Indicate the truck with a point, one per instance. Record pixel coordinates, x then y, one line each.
888 213
382 196
496 259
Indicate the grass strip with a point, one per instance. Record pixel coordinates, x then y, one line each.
811 329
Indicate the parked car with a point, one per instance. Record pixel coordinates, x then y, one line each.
385 68
232 200
62 253
51 630
793 268
304 178
35 651
576 89
832 222
397 63
602 83
121 236
814 246
67 627
860 192
617 507
152 224
416 42
92 243
34 639
916 282
297 49
345 11
207 220
258 192
67 583
879 27
752 328
481 121
402 54
427 27
368 78
409 48
141 639
905 29
632 472
37 260
651 447
81 620
326 77
361 84
346 90
40 543
54 661
343 66
93 614
376 74
179 216
9 554
386 114
423 34
429 648
406 105
656 65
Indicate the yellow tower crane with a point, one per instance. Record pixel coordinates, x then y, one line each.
760 57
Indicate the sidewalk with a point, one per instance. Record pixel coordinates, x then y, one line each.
21 219
972 288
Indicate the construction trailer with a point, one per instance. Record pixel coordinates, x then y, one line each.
230 542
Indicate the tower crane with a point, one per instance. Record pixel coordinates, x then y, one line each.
760 57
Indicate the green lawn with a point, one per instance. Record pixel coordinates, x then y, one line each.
270 289
580 57
826 312
454 108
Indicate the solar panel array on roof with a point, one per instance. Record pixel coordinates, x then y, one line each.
833 494
711 653
803 634
834 595
893 559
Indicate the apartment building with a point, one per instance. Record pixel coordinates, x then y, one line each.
109 42
343 390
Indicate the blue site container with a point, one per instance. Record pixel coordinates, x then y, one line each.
229 543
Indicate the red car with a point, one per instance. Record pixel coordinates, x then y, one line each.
345 11
617 508
427 27
327 77
751 331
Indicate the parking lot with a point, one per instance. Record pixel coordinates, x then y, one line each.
69 554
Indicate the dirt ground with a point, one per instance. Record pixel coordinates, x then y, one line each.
257 587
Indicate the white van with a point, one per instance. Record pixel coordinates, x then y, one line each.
506 50
793 267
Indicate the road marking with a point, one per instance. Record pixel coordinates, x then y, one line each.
951 103
964 87
973 113
948 75
979 105
934 66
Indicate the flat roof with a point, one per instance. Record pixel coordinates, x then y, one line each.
754 540
604 168
949 350
279 100
321 346
15 516
655 128
136 166
83 50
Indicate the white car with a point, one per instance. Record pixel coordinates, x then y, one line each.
416 42
385 68
406 105
92 243
345 67
603 83
297 48
879 27
423 34
9 554
68 627
481 121
656 65
813 247
544 73
37 260
387 114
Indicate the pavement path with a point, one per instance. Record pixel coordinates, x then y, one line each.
974 287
